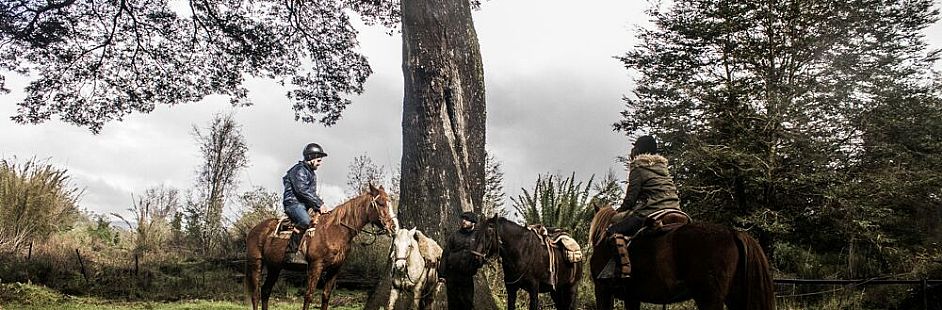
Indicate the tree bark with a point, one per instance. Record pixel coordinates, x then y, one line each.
443 118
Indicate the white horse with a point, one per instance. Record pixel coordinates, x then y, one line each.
414 268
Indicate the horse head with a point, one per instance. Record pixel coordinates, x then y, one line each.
404 244
486 239
381 210
600 222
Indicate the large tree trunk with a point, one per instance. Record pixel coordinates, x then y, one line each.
443 115
443 119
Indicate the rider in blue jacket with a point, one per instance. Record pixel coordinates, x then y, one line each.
300 196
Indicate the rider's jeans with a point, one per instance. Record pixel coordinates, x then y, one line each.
298 214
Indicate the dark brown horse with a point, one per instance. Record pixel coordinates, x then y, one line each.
526 263
325 251
711 264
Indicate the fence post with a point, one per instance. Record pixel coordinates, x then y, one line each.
29 254
82 264
925 293
136 265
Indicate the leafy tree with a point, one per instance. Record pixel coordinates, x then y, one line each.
101 230
766 107
152 213
362 172
256 206
224 154
97 61
494 192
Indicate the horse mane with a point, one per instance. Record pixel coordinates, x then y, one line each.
347 209
603 216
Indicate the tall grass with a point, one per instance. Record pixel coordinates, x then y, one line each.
36 199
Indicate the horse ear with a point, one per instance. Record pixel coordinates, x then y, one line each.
373 190
596 206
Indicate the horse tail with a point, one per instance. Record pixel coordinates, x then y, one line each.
755 280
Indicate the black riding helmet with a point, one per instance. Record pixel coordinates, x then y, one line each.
312 151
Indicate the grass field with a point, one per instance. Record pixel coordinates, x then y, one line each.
28 297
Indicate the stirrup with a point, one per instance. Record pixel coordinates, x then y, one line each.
295 258
608 271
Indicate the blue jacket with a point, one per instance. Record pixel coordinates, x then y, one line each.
300 187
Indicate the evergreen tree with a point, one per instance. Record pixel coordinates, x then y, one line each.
766 108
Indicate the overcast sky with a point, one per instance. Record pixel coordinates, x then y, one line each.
553 91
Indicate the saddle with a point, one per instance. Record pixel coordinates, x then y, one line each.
663 222
286 227
557 239
657 224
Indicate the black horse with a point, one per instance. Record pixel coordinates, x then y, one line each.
526 262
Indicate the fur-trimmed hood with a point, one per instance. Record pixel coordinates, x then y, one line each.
654 162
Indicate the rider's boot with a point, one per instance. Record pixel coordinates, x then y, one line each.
292 254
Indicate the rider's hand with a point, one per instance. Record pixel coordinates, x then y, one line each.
324 211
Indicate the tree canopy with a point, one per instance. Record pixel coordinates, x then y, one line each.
93 61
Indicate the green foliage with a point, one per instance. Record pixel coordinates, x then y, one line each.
102 231
256 206
493 188
153 212
36 200
564 203
28 294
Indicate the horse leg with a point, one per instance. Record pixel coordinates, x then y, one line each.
709 303
566 297
416 295
558 301
393 295
603 297
270 280
331 279
632 304
511 297
534 293
313 274
253 274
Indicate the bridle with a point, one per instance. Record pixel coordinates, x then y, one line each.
375 207
487 248
500 246
425 269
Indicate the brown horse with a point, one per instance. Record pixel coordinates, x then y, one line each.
708 263
326 250
526 263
